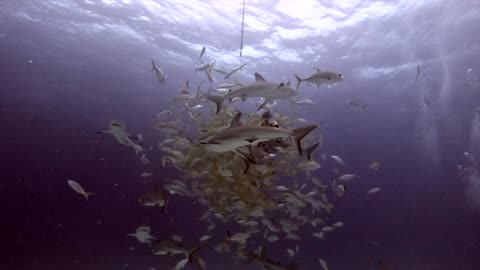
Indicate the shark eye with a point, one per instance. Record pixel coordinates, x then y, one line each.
340 75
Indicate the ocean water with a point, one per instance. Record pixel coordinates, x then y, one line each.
69 67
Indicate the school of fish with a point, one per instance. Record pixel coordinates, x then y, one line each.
253 172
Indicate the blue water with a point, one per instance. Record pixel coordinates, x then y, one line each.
69 67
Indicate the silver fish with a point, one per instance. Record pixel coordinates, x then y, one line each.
321 77
158 72
233 71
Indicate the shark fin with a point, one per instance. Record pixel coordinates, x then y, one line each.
310 149
259 78
364 107
236 120
251 140
280 86
299 80
317 69
300 133
154 67
263 104
217 100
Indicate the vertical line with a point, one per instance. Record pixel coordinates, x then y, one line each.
243 24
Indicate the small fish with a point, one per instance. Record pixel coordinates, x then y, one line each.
79 189
340 190
158 72
338 224
202 53
233 71
145 175
321 77
320 235
323 264
177 238
347 177
358 104
328 229
374 190
375 166
206 66
205 238
291 252
418 72
155 198
305 101
143 235
338 160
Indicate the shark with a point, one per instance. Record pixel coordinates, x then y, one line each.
320 77
236 136
160 75
117 130
262 88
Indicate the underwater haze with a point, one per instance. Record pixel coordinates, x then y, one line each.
310 135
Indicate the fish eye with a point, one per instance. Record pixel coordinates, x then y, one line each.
340 75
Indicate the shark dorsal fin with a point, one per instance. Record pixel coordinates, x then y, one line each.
288 84
236 120
316 69
187 84
259 78
280 85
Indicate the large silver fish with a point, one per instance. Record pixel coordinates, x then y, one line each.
321 77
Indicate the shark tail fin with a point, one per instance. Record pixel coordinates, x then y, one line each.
300 133
153 66
88 194
299 80
364 107
310 149
215 99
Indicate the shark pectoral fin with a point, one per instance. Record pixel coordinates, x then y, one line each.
103 132
263 105
259 78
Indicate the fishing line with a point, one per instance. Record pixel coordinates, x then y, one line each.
243 24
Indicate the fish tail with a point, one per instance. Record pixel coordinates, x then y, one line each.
299 80
300 133
364 107
310 149
88 194
217 100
